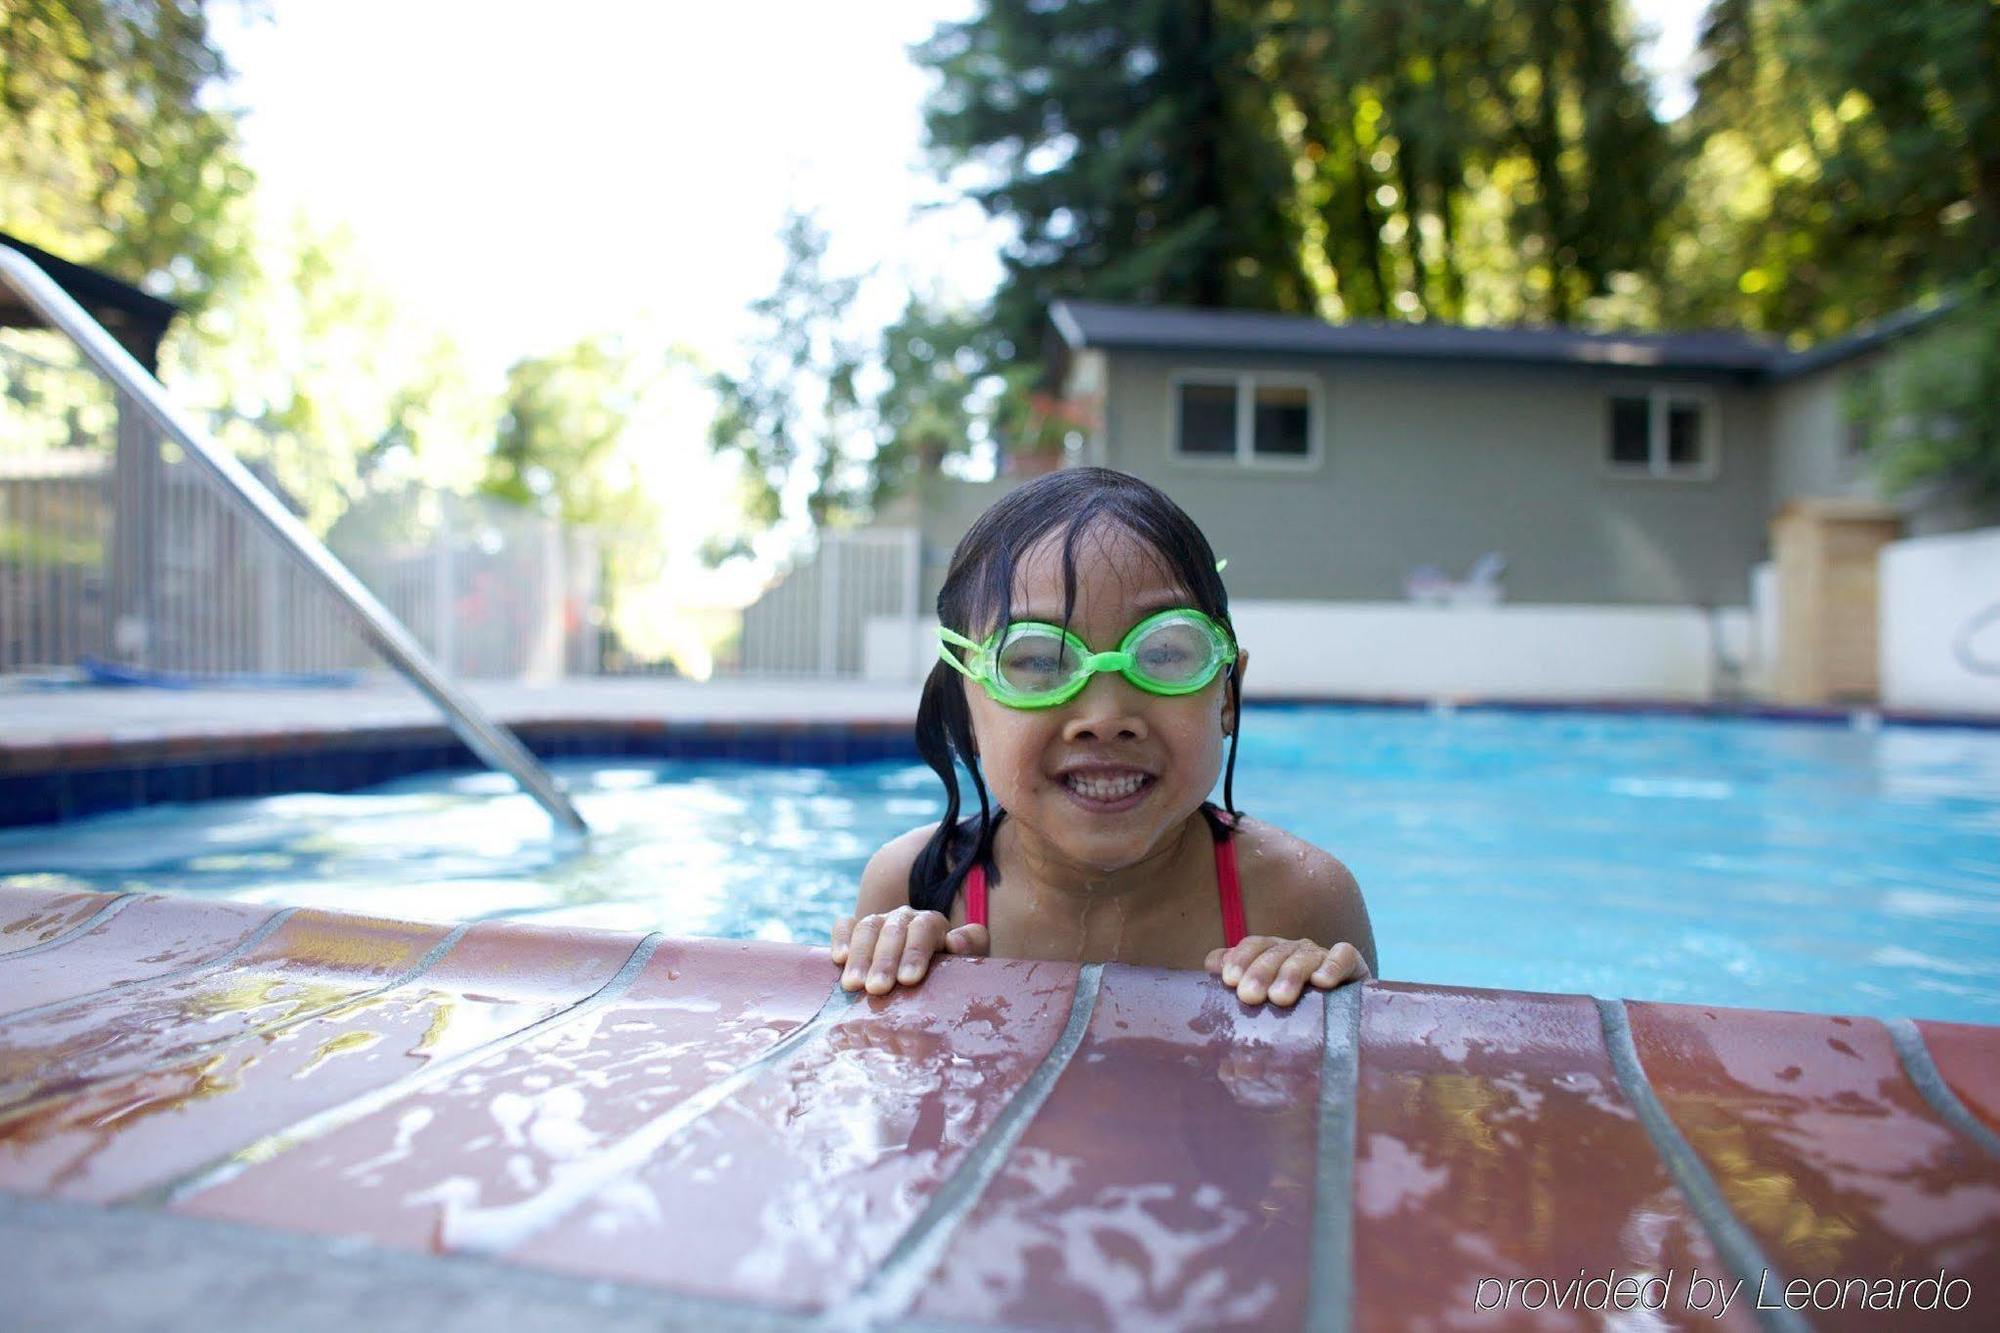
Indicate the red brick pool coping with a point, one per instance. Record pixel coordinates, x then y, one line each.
703 1131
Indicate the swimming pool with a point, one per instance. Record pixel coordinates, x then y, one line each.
1772 865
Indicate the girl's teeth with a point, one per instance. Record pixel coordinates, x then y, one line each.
1106 789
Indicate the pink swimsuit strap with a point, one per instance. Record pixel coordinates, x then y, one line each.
1227 887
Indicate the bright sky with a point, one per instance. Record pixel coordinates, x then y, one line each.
527 175
522 175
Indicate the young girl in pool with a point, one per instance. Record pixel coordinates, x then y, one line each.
1089 679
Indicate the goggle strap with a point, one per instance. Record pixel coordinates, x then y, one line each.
944 651
953 637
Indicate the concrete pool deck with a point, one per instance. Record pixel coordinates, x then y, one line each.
33 718
70 752
224 1111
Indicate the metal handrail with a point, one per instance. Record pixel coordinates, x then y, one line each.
491 741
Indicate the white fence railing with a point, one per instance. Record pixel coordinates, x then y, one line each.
814 620
117 555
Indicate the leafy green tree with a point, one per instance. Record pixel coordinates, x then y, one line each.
794 416
563 419
1469 161
937 402
1370 158
1929 417
116 153
112 152
1400 159
1845 161
306 364
1131 144
560 448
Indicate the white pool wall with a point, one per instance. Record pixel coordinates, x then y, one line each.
1933 590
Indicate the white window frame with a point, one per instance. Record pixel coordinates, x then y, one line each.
1246 383
1656 467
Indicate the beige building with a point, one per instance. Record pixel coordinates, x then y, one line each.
1421 511
1329 461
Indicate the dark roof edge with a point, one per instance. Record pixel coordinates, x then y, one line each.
1863 340
1078 323
1780 365
90 287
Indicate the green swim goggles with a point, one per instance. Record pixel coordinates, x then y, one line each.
1037 665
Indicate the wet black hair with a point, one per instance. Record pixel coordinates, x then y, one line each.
978 593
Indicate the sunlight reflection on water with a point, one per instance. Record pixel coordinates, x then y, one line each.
1731 862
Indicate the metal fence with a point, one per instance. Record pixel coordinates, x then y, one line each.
816 618
118 557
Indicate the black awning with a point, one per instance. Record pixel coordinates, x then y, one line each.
135 319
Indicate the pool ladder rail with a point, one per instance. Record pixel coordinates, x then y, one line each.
485 737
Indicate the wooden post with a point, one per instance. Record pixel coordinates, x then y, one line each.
1825 552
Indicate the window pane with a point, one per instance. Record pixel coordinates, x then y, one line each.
1208 419
1629 429
1684 434
1282 421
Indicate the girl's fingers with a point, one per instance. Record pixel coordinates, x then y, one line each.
1246 952
1257 978
926 938
1293 972
860 949
889 951
1343 963
1214 961
969 941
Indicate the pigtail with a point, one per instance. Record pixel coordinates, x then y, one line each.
944 738
1235 732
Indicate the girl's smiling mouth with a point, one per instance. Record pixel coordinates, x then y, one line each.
1107 790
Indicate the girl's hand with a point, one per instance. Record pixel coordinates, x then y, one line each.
885 948
1264 967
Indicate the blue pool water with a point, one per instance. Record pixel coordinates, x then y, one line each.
1759 864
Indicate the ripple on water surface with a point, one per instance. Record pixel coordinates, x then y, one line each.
1768 865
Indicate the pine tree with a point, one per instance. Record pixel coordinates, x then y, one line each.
1132 145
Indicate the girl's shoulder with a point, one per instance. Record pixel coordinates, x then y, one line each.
1294 889
885 880
1271 842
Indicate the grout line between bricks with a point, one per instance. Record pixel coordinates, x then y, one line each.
1330 1289
1731 1238
1930 1081
256 937
97 918
36 1098
334 1117
899 1279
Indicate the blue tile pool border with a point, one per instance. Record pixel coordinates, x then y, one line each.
101 778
